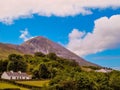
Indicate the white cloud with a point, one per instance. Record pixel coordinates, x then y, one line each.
105 35
25 35
76 34
14 9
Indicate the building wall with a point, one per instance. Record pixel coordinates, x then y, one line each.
26 78
20 78
14 78
5 76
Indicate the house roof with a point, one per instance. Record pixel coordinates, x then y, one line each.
17 74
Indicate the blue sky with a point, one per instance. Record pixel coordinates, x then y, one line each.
89 29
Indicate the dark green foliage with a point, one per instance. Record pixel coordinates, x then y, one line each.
68 85
27 58
45 60
77 69
39 54
63 74
65 85
36 74
44 72
52 56
115 80
86 81
17 66
102 80
53 72
16 63
3 65
73 63
15 57
83 82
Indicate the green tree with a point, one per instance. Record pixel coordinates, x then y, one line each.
36 74
102 81
83 82
3 65
44 72
67 85
16 63
28 58
15 57
115 80
52 56
17 66
39 54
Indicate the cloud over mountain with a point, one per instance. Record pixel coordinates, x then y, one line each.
105 35
14 9
25 35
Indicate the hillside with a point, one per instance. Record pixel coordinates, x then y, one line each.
60 73
5 50
44 45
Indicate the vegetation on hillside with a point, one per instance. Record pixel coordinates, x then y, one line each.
63 74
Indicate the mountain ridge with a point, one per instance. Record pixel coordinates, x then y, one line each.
44 45
6 49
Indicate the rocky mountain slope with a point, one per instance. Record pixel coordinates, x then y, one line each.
41 44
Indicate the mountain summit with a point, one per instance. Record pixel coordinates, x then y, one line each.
44 45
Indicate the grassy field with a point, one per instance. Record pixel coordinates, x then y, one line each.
39 83
4 85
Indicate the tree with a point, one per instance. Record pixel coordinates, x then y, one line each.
36 74
83 82
16 63
44 72
52 56
17 66
15 57
28 58
102 81
3 65
39 54
115 80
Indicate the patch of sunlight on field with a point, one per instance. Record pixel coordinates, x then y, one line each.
39 83
4 85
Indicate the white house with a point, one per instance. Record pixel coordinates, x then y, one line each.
104 70
15 75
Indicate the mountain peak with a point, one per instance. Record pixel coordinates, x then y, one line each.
44 45
36 43
36 38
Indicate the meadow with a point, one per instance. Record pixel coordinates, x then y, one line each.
39 83
4 85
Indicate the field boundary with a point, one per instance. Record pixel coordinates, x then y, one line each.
20 85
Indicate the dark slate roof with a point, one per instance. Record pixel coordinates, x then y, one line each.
17 74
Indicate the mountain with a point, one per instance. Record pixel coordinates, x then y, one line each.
6 49
41 44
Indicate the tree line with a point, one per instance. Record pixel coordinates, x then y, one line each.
64 74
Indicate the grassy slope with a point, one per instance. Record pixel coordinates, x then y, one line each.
4 85
40 83
6 50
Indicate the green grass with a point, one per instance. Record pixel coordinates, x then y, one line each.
4 85
39 83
